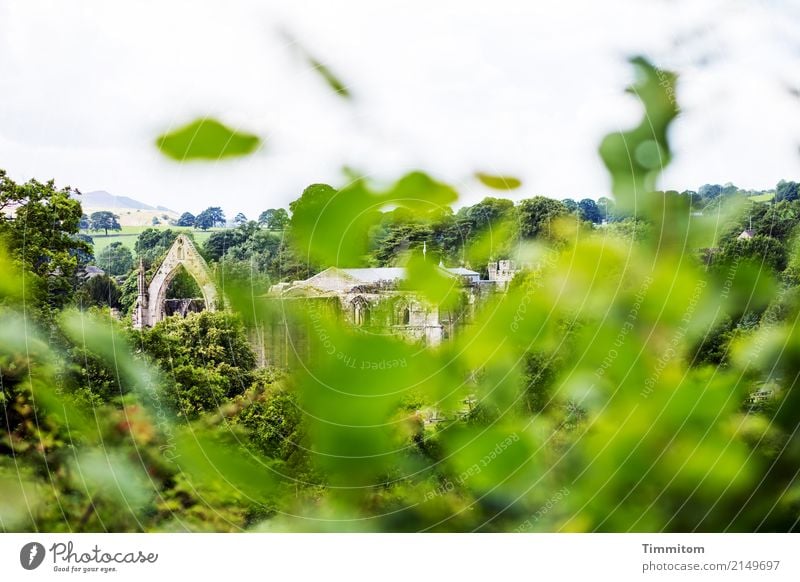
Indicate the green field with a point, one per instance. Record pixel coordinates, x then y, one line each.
763 197
128 235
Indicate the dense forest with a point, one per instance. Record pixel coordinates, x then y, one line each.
639 374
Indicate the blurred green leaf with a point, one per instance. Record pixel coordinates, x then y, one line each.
206 139
635 158
20 497
111 476
101 337
331 80
498 182
215 460
332 227
436 285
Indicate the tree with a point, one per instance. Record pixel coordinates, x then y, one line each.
204 220
155 221
206 357
116 259
153 243
240 219
607 208
84 223
787 191
274 218
104 220
219 242
489 211
84 255
42 236
570 205
399 239
209 218
759 250
536 214
274 423
217 216
695 200
183 285
589 211
709 191
186 219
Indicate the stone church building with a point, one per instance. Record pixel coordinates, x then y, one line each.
374 298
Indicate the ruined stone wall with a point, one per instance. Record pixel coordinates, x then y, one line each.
150 305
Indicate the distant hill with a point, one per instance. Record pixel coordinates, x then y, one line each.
131 212
105 200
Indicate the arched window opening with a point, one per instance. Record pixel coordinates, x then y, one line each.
183 294
361 312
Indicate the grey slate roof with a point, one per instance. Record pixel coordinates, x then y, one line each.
460 271
373 275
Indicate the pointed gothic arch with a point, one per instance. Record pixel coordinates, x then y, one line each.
361 311
401 311
150 302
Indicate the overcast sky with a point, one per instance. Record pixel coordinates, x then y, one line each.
523 88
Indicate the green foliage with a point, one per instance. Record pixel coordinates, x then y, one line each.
633 229
274 421
220 242
41 236
100 290
186 219
788 191
333 81
349 215
209 218
153 243
425 278
635 158
274 218
537 214
397 240
206 139
489 211
104 220
205 356
183 286
129 291
115 259
588 210
246 253
764 251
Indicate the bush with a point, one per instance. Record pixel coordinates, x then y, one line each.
206 356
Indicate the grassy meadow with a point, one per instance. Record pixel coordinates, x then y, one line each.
763 197
128 235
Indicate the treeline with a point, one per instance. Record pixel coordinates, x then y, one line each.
271 249
213 216
48 221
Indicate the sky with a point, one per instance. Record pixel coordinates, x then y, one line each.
518 88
